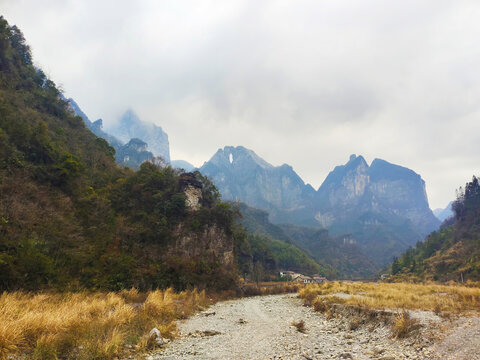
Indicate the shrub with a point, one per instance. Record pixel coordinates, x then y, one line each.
404 325
300 325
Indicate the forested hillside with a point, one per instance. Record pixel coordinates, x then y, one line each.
453 252
269 248
70 218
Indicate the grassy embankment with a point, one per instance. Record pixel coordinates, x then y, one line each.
431 297
100 325
90 325
365 302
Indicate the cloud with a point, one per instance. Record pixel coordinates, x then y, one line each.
300 82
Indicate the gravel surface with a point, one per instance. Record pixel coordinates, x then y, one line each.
261 328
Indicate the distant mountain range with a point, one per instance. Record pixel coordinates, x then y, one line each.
444 214
134 140
130 126
382 207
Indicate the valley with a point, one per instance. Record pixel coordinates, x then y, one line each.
110 248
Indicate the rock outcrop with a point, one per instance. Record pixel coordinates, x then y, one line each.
213 246
133 154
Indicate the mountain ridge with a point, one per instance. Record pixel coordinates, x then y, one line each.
384 206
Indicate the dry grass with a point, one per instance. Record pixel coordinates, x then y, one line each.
300 325
89 325
404 325
370 303
271 288
430 297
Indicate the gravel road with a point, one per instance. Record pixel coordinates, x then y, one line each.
260 328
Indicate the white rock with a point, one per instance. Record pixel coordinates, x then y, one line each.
155 338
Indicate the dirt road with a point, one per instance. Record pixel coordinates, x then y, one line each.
260 328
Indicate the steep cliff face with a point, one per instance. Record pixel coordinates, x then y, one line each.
212 245
384 206
240 174
346 184
382 188
130 126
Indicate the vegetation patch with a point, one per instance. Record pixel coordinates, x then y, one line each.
381 296
300 325
90 325
387 304
404 325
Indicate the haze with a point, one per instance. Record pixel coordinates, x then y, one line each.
300 82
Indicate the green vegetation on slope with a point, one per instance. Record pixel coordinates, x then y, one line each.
70 218
267 250
341 259
453 252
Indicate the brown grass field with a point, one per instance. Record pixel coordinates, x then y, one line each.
89 325
108 325
431 297
367 302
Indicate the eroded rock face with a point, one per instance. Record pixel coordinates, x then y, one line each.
192 188
210 245
193 197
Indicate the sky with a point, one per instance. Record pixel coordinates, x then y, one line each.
301 82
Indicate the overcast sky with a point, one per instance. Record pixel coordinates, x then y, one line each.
300 82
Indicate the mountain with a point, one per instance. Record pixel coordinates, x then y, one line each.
72 219
242 175
384 207
444 214
96 127
130 126
451 253
182 164
131 154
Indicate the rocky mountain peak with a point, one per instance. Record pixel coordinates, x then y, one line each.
240 174
346 183
239 156
131 126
